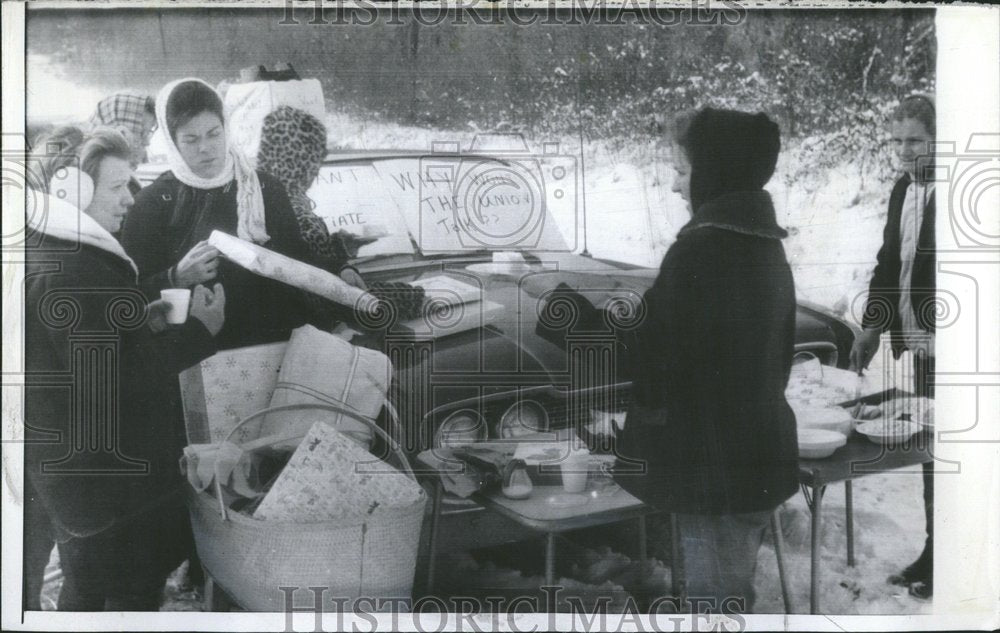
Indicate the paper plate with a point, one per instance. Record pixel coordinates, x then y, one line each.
500 268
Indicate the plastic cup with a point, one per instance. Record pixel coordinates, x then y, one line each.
179 300
574 472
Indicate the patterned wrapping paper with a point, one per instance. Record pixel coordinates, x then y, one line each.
331 477
290 271
227 387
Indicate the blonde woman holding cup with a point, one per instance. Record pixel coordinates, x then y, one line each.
101 466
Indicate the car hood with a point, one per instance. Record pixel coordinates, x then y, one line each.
506 339
523 340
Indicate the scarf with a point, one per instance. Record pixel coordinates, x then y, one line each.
251 224
292 148
64 221
123 112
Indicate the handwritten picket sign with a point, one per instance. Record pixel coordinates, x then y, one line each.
425 203
247 104
353 198
453 204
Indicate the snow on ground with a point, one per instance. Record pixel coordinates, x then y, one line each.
888 529
632 216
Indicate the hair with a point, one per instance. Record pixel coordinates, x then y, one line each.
189 99
102 143
680 128
51 152
150 105
920 107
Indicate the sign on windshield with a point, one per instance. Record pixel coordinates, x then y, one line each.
354 198
451 204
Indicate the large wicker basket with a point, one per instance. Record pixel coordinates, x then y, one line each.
253 560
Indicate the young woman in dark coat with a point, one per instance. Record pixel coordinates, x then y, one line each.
211 186
709 424
100 457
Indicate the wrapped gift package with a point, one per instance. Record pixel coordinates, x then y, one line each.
223 389
330 477
321 368
272 265
247 104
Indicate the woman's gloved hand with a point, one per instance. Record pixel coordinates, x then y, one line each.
197 266
354 278
209 307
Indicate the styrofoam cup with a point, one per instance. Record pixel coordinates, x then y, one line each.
574 472
179 300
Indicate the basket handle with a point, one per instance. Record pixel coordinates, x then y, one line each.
390 442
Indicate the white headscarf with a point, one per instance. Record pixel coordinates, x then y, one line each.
251 224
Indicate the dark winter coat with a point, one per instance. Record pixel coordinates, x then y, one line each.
710 366
90 360
882 308
169 218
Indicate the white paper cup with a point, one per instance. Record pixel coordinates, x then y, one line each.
574 472
179 300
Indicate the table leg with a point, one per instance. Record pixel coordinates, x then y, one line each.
676 565
432 545
642 538
550 559
779 546
849 503
215 599
817 525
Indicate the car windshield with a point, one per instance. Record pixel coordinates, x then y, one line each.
440 205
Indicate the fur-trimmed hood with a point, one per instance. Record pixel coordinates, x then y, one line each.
746 212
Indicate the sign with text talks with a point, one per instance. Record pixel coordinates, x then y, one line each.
473 203
354 198
418 199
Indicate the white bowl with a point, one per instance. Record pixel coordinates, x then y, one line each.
819 443
919 410
827 418
886 431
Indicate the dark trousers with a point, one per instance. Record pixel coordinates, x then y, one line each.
923 378
126 567
38 544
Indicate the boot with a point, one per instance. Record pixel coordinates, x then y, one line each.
920 571
922 590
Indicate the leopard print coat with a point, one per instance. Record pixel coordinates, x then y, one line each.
292 149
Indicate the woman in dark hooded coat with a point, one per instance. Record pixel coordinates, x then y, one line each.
100 459
709 423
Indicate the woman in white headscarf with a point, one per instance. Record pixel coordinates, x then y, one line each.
212 186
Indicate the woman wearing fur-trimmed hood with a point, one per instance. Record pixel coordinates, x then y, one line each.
710 424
